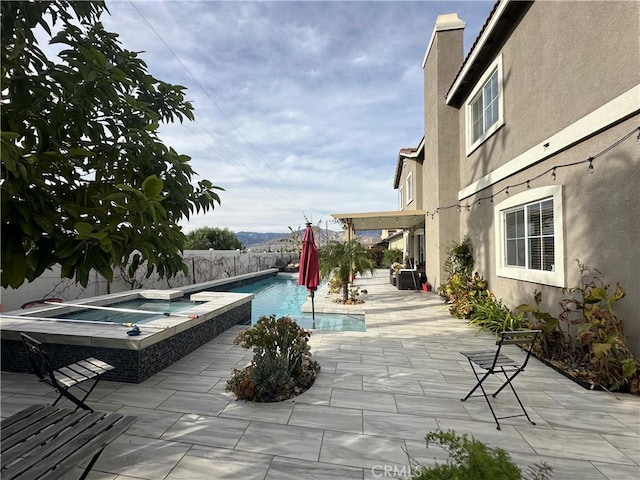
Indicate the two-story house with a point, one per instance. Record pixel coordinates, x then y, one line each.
531 148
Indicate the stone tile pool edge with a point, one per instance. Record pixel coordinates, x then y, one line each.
161 343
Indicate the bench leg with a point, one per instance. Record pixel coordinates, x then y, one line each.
91 464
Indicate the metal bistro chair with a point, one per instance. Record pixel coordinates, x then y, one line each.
494 362
64 378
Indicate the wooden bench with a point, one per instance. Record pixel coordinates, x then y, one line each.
64 378
46 442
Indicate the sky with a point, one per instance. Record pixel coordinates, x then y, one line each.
301 107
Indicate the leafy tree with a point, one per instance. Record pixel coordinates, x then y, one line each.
86 181
216 238
343 259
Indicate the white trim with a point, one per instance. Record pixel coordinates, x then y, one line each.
476 51
401 197
611 112
555 278
409 184
468 114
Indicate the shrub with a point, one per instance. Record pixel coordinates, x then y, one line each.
281 367
592 344
471 459
390 256
492 315
461 291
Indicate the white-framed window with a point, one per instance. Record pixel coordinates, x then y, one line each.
401 198
484 110
530 238
409 188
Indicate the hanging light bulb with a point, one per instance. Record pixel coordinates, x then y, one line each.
553 174
528 186
491 199
507 191
590 165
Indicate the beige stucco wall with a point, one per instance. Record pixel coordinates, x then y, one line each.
441 164
563 61
601 224
412 166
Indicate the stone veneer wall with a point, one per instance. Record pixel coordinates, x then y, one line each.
131 366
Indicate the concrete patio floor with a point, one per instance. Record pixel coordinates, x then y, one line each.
378 394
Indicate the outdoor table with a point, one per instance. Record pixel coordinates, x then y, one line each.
46 442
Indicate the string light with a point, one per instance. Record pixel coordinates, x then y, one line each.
551 170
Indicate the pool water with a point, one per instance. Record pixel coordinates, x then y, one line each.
159 307
284 297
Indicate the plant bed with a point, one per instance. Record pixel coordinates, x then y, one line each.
281 367
350 301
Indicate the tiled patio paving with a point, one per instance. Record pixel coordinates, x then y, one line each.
378 394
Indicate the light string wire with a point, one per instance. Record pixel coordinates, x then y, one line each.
552 170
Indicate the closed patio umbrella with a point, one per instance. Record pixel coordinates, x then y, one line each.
309 274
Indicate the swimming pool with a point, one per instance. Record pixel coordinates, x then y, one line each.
282 296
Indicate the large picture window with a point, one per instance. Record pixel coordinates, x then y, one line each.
484 110
529 236
401 198
409 188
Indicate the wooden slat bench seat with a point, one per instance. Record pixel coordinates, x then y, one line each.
46 442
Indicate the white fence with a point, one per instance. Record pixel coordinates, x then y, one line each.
203 265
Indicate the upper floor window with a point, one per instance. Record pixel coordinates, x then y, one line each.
401 198
529 237
409 188
484 110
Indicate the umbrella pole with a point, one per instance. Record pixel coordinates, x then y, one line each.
313 309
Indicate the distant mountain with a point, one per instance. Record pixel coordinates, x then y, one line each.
251 238
269 241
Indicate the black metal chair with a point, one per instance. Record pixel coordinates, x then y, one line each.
494 362
64 378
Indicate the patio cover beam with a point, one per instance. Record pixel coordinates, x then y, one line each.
399 220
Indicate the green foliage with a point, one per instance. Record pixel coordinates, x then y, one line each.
460 257
343 259
391 256
281 367
471 459
554 344
463 292
216 238
376 254
87 183
461 288
592 345
492 315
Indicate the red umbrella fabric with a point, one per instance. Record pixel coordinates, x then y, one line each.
309 273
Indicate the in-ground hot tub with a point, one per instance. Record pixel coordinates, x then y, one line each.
162 340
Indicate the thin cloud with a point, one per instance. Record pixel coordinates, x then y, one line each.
301 107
